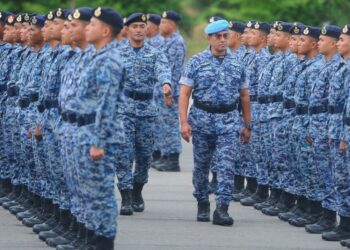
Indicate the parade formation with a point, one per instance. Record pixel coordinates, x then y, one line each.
89 99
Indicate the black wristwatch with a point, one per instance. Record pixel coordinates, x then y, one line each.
248 126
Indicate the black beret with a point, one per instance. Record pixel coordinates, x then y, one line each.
214 19
275 24
4 15
83 14
38 20
331 31
109 16
61 13
311 31
171 15
346 30
10 20
136 18
237 26
297 28
284 27
262 26
154 18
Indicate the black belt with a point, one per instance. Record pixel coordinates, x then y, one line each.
41 107
276 98
86 119
301 110
215 109
253 98
288 104
138 96
34 97
24 102
263 100
69 116
48 104
13 91
347 121
3 87
317 110
336 109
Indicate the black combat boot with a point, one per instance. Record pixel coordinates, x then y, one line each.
271 201
126 206
60 229
345 243
259 196
156 155
297 211
50 223
103 243
326 223
40 217
221 216
171 164
138 204
249 190
16 191
6 187
285 203
78 242
32 211
312 216
238 185
213 183
341 232
68 234
17 200
203 212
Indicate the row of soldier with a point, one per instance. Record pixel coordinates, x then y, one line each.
79 103
296 164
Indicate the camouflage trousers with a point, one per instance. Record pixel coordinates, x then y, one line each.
264 153
98 190
138 148
219 151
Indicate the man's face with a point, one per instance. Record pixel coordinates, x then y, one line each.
65 33
17 32
35 35
281 39
24 33
343 45
306 44
326 44
152 28
219 41
46 31
245 36
234 38
271 38
255 38
93 31
78 30
8 34
293 43
56 28
137 31
166 26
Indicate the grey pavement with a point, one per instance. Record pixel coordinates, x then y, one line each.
168 223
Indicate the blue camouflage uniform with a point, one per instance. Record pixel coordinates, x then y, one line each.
97 98
156 41
214 84
337 97
144 70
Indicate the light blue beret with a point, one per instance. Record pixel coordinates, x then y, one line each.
216 27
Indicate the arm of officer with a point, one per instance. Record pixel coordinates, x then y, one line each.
246 115
163 72
184 99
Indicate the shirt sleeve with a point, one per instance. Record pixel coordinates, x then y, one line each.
188 76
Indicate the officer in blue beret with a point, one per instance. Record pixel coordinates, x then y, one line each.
203 77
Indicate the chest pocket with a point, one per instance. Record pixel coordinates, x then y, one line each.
207 76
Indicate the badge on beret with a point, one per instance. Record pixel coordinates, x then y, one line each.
211 19
144 18
34 20
124 20
257 26
306 31
59 12
26 17
230 24
249 24
0 15
280 27
11 19
76 14
345 29
296 30
324 31
164 14
98 12
148 16
70 18
19 18
50 15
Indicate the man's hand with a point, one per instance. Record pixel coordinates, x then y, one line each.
167 95
309 140
342 146
37 133
96 153
245 135
186 131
